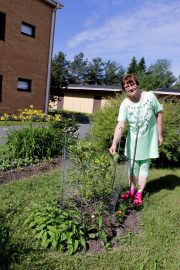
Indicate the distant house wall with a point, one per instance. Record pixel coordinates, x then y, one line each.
83 101
23 56
89 99
79 101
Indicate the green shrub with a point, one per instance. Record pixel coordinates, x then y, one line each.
105 120
36 142
170 149
95 172
65 124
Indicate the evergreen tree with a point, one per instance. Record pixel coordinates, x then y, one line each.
113 73
111 70
78 69
95 72
121 72
133 66
141 65
59 73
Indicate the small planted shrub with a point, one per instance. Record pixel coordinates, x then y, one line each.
95 172
85 216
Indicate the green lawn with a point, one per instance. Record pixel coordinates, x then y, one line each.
155 247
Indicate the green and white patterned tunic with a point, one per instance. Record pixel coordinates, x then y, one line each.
141 115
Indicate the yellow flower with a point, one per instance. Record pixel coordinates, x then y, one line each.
119 212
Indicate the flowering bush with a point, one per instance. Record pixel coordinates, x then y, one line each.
30 114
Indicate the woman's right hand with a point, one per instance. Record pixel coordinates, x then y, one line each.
112 150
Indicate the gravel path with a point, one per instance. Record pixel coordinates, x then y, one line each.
5 130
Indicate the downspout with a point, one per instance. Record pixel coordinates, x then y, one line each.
59 6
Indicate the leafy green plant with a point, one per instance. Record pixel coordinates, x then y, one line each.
103 124
40 142
95 171
63 229
170 149
7 164
36 142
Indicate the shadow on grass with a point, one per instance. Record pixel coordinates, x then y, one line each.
10 252
168 182
5 248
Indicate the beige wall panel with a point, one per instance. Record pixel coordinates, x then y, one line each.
104 102
81 103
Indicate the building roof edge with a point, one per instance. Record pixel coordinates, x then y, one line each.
54 3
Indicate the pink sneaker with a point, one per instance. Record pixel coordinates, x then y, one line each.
138 198
129 194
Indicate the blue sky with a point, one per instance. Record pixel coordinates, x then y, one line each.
120 29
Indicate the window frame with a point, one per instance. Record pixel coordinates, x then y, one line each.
24 80
2 25
30 26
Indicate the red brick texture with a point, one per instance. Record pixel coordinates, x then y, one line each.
23 56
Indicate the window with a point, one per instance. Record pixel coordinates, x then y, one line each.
24 85
28 29
1 77
2 25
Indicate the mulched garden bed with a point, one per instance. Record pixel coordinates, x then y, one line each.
35 169
130 223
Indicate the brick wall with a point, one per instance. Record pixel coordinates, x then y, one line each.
23 56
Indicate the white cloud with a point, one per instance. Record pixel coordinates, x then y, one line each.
150 30
90 21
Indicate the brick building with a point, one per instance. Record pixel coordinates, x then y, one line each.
26 41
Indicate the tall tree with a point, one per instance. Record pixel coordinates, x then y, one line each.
59 72
78 69
133 66
158 75
141 65
113 73
95 73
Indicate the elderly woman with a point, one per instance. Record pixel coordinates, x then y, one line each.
143 113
